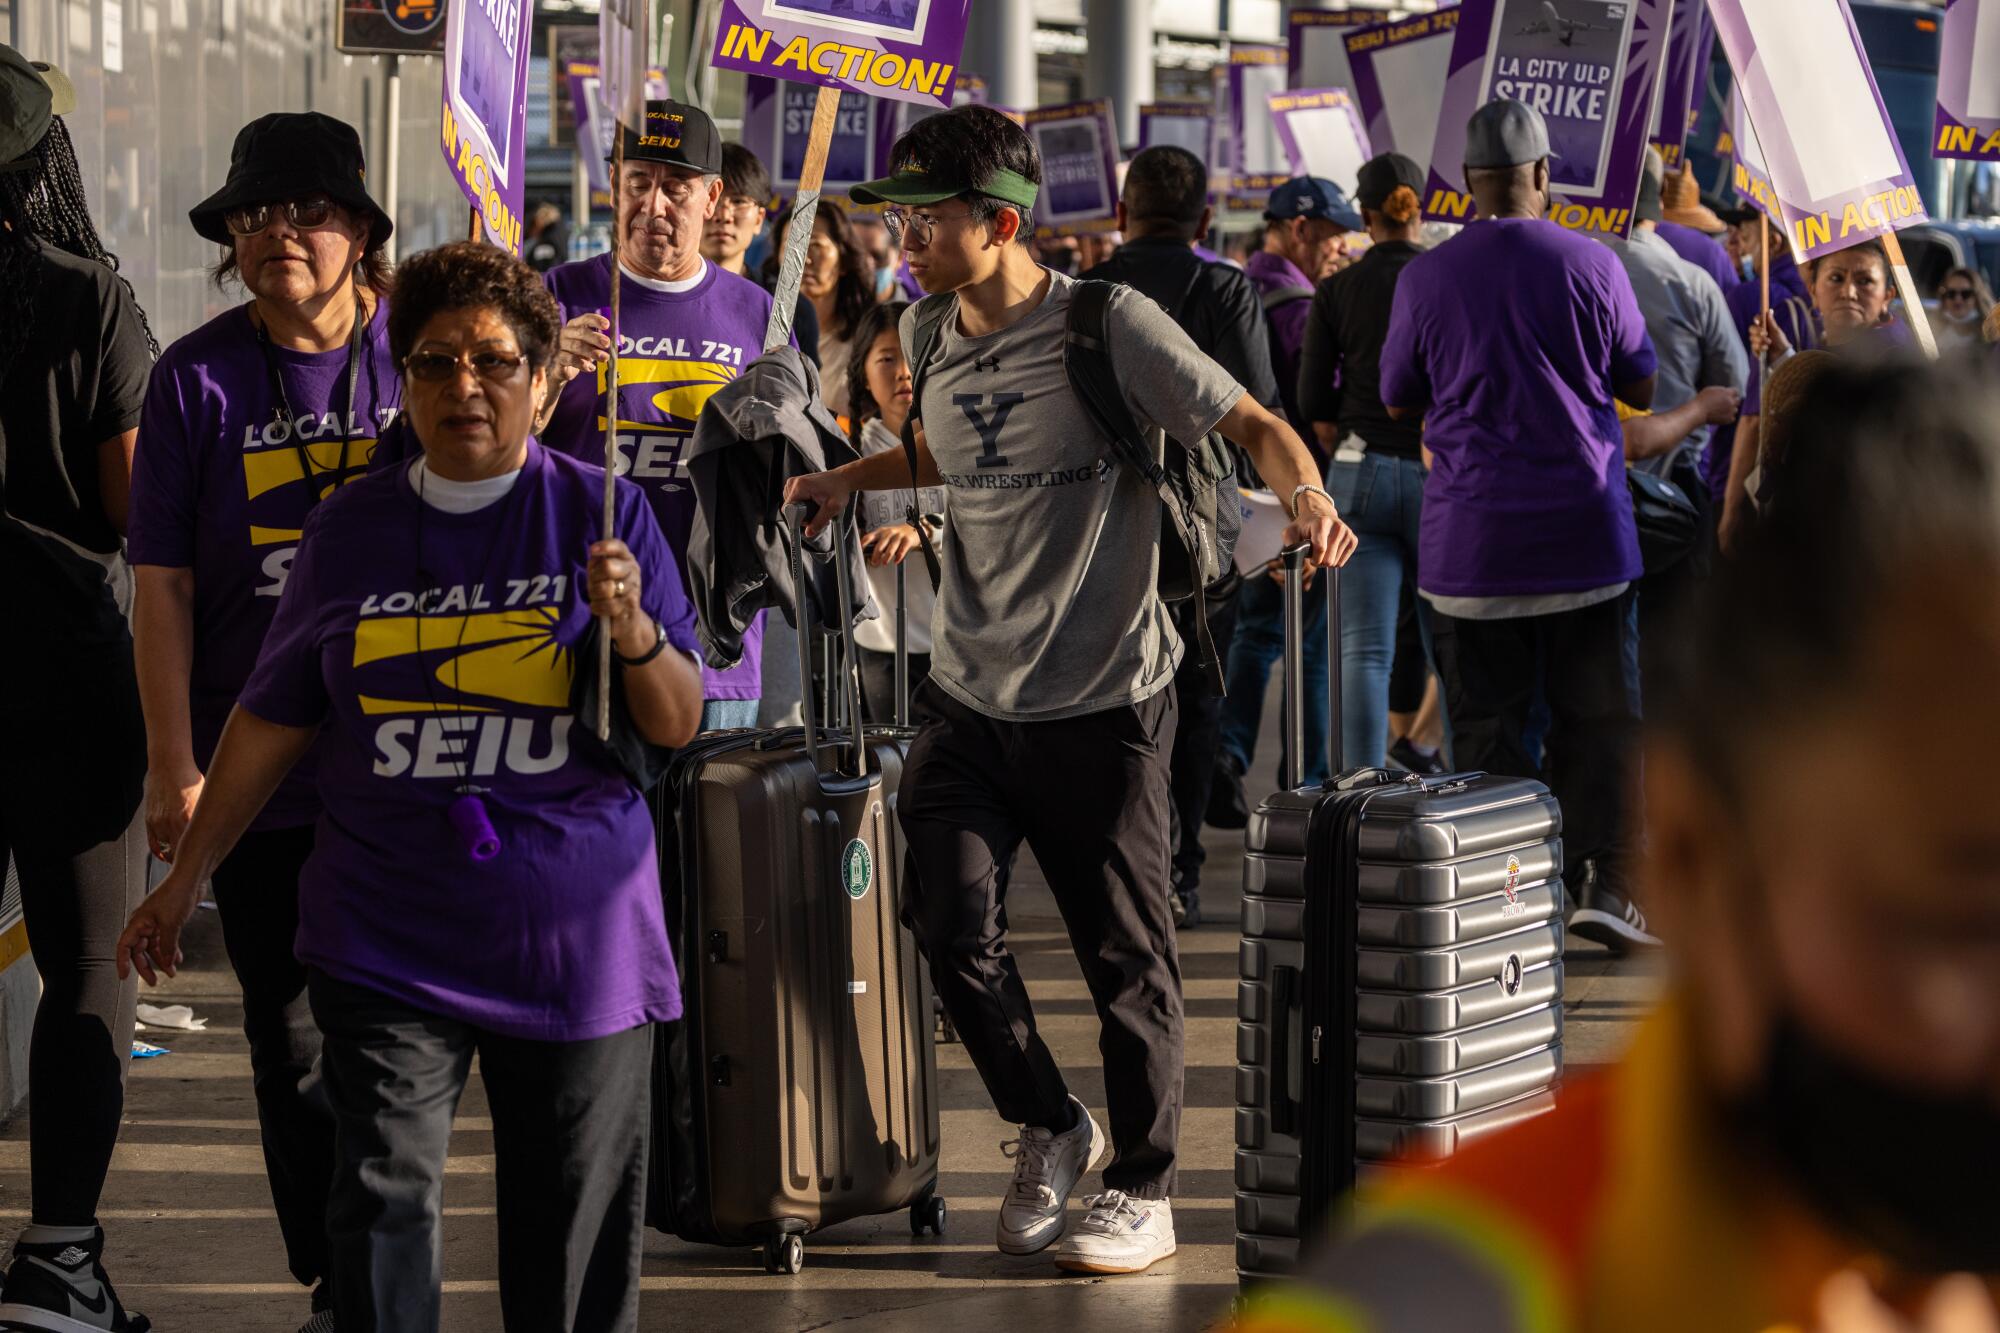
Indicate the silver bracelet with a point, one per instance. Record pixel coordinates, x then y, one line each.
1320 491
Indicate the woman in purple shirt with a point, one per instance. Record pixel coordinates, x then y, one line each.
249 422
484 880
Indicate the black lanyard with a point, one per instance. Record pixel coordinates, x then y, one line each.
283 412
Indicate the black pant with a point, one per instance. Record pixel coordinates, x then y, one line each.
878 682
1580 659
257 894
72 760
1198 738
1089 794
569 1165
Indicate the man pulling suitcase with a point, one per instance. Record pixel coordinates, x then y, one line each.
1047 716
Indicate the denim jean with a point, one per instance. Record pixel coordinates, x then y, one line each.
1257 646
1382 499
723 714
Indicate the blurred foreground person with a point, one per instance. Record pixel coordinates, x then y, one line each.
74 356
1803 1135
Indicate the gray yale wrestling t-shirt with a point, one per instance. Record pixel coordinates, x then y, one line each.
1047 607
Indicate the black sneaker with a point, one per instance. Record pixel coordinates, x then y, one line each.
1406 756
1606 916
322 1312
1228 807
62 1288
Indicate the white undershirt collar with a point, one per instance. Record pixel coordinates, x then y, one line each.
459 497
657 285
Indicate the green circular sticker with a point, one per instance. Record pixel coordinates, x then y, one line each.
857 870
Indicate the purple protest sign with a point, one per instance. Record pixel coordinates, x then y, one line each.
1257 162
777 122
902 49
1968 101
1591 67
1181 124
1747 170
1079 150
1398 68
1316 46
1670 131
485 111
1835 167
1218 135
1321 131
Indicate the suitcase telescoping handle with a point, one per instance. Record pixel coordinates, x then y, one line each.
902 645
850 685
1295 674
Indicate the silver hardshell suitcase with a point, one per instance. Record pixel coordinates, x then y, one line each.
1401 973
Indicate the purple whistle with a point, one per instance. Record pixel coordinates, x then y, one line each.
475 827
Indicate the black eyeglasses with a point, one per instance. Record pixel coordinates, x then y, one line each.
307 214
919 227
1956 294
438 367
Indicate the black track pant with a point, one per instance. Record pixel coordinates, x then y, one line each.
257 893
69 817
1089 795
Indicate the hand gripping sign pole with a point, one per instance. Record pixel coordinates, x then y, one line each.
624 29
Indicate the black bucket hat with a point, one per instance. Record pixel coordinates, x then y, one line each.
285 155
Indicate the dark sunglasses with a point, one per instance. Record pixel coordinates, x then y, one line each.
307 214
1956 294
438 367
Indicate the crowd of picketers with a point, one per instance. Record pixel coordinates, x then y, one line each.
306 597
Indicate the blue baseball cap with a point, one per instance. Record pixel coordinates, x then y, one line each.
1314 197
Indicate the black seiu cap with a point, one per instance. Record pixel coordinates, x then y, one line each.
1380 176
288 155
676 134
1506 133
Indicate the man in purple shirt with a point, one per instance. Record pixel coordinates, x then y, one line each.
1305 226
1511 341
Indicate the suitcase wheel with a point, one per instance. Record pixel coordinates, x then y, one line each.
784 1254
928 1214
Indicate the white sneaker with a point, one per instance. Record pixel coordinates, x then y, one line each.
1046 1168
1120 1234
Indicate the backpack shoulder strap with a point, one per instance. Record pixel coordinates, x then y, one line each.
925 334
1094 379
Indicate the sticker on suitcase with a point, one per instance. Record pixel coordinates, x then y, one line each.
857 869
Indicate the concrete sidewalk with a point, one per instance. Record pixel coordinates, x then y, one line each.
194 1245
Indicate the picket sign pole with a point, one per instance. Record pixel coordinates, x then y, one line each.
474 230
798 232
1764 275
1920 323
610 436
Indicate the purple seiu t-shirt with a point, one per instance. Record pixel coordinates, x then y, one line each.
1746 298
675 350
439 650
1510 338
219 487
1701 250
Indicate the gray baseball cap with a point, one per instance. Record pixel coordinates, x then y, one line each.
1506 133
32 93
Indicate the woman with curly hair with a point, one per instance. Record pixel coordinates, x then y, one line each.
485 881
250 422
74 355
839 280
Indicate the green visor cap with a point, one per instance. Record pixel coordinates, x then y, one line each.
916 189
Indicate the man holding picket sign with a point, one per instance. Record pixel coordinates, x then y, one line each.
1048 715
688 326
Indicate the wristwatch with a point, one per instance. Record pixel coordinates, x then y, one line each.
659 646
1309 489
